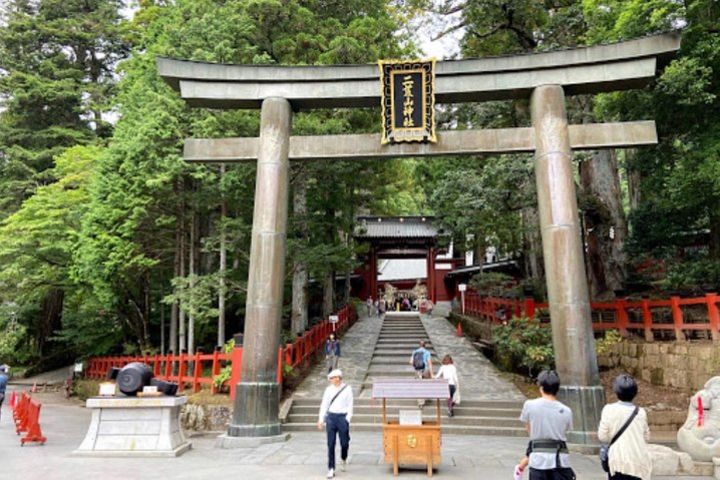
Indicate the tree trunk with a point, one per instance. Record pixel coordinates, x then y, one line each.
533 246
299 314
328 294
182 344
634 180
222 267
162 323
175 310
714 246
605 223
51 308
191 263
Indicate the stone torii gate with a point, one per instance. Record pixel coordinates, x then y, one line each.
544 78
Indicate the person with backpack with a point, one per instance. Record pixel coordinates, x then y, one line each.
421 360
547 421
336 411
624 427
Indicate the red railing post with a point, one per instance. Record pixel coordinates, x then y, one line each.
647 320
529 307
280 366
182 370
168 365
215 370
236 374
622 316
197 372
713 315
677 315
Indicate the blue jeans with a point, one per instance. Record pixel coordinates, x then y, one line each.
337 424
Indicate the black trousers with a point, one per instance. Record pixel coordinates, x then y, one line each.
554 474
337 425
622 476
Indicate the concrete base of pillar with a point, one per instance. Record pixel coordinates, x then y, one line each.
225 441
256 410
586 404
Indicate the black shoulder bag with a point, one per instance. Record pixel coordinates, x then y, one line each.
605 449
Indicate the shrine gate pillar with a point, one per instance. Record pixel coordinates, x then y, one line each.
258 393
568 296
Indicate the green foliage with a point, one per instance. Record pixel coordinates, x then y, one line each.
223 377
524 344
493 284
609 339
694 277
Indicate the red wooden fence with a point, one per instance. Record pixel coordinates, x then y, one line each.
187 370
647 316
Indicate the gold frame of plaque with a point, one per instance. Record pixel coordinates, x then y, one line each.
419 124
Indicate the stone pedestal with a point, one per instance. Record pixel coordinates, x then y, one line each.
586 404
134 427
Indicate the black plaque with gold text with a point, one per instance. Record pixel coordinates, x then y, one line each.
408 100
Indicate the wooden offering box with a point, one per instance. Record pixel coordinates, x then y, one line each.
411 444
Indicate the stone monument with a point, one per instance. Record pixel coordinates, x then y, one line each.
700 435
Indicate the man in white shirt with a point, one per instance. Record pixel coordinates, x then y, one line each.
336 411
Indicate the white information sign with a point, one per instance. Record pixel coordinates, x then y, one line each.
410 417
334 319
462 287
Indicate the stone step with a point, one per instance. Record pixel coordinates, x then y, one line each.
415 339
427 415
446 428
461 410
369 402
390 351
405 373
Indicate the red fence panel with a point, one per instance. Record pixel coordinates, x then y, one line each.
187 370
497 310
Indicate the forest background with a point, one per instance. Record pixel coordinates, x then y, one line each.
110 243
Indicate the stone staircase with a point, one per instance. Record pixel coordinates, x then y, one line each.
399 335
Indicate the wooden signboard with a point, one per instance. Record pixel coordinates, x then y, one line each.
410 443
408 101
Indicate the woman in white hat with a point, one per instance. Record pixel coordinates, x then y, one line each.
336 411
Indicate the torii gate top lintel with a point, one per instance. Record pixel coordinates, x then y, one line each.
595 69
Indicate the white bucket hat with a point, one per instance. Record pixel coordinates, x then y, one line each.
335 373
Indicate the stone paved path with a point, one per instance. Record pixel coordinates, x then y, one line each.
479 379
302 457
356 347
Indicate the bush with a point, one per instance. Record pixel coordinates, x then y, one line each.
603 345
524 345
493 284
695 277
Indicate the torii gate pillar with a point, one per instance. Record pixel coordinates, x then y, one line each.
257 395
567 288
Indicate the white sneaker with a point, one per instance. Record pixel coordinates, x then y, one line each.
331 473
343 465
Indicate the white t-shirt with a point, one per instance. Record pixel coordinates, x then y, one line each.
549 420
342 404
449 373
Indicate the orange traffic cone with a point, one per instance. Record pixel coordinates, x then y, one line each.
459 330
13 400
